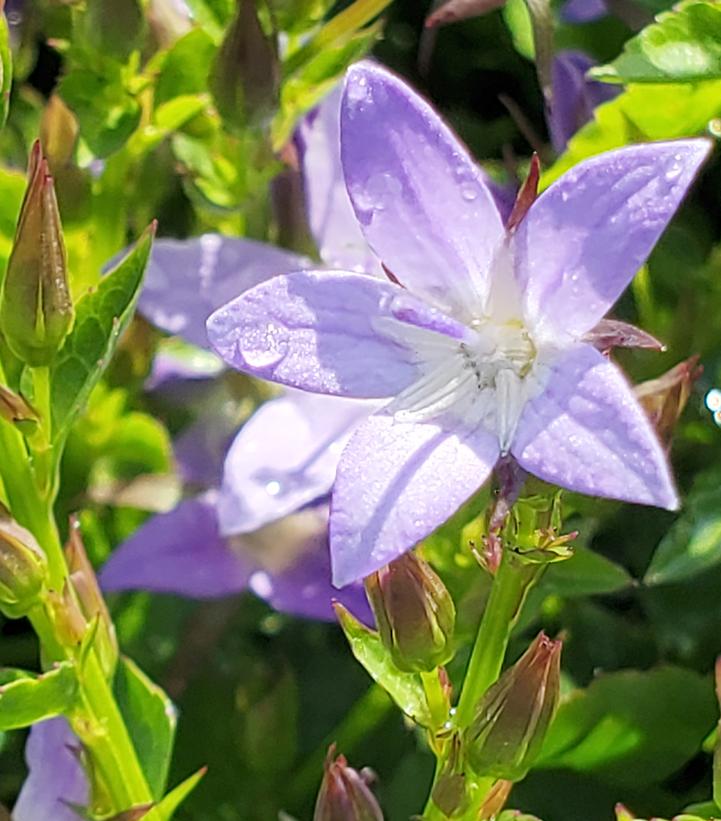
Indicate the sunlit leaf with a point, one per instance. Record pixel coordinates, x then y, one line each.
26 699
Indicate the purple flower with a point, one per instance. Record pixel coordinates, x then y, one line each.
583 11
480 350
574 96
266 528
56 777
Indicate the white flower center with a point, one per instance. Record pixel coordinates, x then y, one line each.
486 378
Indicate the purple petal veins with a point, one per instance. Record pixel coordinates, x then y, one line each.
481 353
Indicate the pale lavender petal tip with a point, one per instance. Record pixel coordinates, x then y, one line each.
187 280
179 552
421 200
583 11
396 483
587 432
585 237
321 331
56 777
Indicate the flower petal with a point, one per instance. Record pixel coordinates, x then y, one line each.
303 588
587 432
187 280
55 774
586 236
583 11
419 197
340 241
179 552
396 483
284 457
321 331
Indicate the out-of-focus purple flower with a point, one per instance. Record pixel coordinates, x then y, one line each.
276 543
583 11
482 349
574 96
56 777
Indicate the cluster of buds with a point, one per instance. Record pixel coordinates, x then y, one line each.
414 613
345 793
23 568
513 715
36 310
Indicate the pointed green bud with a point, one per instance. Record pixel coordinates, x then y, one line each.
23 568
36 311
114 27
513 715
414 613
345 793
245 78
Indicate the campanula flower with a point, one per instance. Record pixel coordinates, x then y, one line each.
574 97
56 778
477 343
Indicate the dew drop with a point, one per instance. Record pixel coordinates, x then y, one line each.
469 192
358 91
273 488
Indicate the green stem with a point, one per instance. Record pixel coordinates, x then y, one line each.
508 592
436 698
100 724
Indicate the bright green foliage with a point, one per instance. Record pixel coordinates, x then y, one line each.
101 316
151 720
682 46
26 698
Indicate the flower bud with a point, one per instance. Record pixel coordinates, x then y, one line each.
91 601
414 613
513 715
58 133
345 794
664 398
36 310
245 78
23 568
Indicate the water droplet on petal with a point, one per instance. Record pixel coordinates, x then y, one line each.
469 191
273 488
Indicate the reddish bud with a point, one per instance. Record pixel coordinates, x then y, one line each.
526 195
414 613
495 800
455 10
345 794
513 715
91 601
612 333
14 408
664 398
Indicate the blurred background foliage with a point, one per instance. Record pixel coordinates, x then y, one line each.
143 117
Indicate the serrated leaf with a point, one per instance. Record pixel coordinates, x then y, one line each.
682 46
693 543
586 573
26 699
101 316
406 689
151 720
631 727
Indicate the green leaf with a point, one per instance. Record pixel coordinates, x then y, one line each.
586 573
107 112
26 698
632 727
101 317
185 67
693 544
682 46
178 794
151 719
6 69
406 689
641 113
212 15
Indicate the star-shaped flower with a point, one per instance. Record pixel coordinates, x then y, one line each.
480 349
